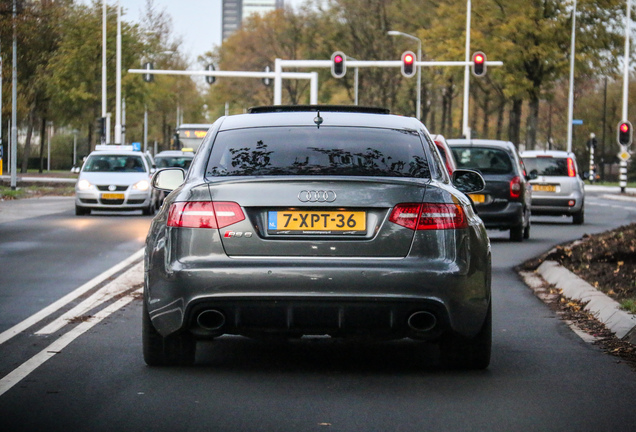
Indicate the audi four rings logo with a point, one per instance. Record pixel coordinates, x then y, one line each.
317 196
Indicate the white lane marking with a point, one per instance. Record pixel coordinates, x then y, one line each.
38 316
56 347
134 276
605 204
627 198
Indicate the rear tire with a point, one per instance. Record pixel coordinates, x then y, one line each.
150 210
459 352
516 233
579 217
82 211
174 350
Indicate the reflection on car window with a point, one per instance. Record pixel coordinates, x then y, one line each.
485 160
313 151
547 166
114 163
173 161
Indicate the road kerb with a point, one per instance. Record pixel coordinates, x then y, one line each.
606 310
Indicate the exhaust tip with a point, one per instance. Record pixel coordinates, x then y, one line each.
211 319
422 321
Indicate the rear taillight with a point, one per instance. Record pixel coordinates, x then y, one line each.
429 216
204 214
406 215
571 168
515 187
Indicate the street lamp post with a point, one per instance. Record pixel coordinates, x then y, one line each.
74 148
14 103
104 60
622 175
49 132
465 126
419 68
117 137
1 106
571 89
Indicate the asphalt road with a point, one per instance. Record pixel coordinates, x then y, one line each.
542 377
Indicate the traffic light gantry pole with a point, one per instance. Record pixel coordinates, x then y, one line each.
312 76
280 64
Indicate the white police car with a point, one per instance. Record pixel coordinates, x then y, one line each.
116 178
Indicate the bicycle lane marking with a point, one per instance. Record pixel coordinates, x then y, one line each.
54 307
58 345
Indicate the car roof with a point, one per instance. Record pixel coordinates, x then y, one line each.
331 116
481 142
553 153
116 153
439 137
194 126
174 153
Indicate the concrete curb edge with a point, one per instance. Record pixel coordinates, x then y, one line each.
607 310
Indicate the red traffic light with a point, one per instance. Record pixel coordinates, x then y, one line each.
479 63
408 64
210 79
338 64
625 133
148 77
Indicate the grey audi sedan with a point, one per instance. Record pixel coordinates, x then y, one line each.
317 220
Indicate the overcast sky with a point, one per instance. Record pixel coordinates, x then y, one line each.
198 22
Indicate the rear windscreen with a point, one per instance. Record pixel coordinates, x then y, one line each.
173 161
485 160
346 151
546 166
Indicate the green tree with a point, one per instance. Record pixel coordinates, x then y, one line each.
38 32
167 94
75 71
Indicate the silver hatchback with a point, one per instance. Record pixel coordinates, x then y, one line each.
557 188
339 221
116 178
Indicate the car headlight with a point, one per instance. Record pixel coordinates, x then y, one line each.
84 185
142 185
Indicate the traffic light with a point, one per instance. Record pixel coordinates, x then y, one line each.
208 78
100 129
267 81
148 77
408 64
625 133
338 64
479 64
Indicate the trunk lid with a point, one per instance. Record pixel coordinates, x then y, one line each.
317 218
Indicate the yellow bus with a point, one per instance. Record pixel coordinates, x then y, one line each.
189 136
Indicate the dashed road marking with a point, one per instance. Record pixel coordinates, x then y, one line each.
54 307
22 371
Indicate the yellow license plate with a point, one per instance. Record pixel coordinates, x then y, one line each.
544 188
478 198
113 196
316 222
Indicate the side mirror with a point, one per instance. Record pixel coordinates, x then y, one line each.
468 181
168 179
